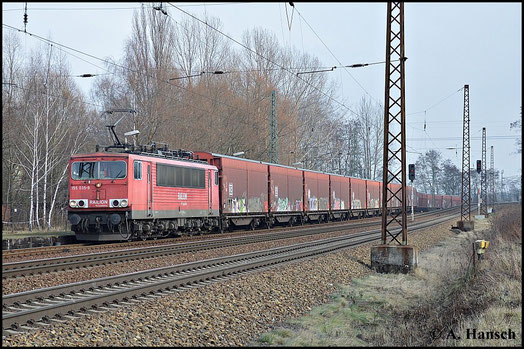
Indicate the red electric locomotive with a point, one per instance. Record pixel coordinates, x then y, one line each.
141 193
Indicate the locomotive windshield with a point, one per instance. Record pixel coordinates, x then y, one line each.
99 170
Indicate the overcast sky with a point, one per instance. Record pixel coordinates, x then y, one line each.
448 45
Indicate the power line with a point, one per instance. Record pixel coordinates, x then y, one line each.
434 105
74 9
47 94
322 41
357 65
114 8
258 54
501 137
117 65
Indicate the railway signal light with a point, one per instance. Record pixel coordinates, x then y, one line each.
479 166
411 172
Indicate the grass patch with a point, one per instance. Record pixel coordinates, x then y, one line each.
25 234
445 293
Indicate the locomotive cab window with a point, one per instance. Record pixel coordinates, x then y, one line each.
176 176
216 177
137 169
98 170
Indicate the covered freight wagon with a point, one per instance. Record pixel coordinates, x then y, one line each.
286 193
243 188
446 201
358 196
339 196
424 201
373 197
316 195
437 201
456 200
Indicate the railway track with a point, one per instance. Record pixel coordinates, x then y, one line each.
25 310
40 252
71 248
40 266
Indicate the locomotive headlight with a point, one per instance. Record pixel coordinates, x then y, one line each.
123 203
98 185
72 203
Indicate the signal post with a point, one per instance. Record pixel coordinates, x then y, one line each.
394 255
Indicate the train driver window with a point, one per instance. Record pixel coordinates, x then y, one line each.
112 170
137 169
216 177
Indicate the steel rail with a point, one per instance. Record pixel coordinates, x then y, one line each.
14 269
27 252
41 304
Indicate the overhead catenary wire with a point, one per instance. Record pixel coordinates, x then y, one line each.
323 43
500 137
128 69
280 68
357 65
114 8
179 102
260 55
119 66
52 95
440 101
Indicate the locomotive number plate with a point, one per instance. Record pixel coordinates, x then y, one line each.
80 187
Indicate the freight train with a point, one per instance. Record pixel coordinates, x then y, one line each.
152 192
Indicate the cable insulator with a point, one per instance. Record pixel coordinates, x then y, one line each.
25 17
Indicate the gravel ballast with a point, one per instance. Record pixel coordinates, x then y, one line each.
31 282
231 312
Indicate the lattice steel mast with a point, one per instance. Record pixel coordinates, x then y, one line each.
394 127
465 206
273 152
483 179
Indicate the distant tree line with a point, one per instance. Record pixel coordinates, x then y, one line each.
438 176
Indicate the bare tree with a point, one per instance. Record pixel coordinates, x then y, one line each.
428 172
11 67
371 135
517 125
44 114
450 178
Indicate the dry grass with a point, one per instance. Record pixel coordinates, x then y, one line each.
445 293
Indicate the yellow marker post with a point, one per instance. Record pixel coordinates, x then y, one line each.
480 247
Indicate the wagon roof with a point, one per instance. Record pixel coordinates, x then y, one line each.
142 156
279 165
